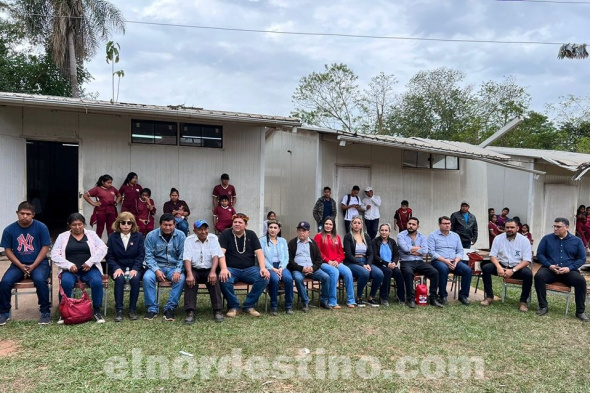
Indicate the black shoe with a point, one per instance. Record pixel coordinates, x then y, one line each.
434 302
305 308
582 317
150 316
133 315
289 311
411 303
190 317
542 311
274 312
325 305
119 316
443 300
169 315
98 317
218 316
373 303
464 300
360 302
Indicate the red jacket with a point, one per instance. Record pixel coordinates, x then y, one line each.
330 250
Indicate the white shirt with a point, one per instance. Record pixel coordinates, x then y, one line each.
354 200
511 252
201 253
125 239
373 212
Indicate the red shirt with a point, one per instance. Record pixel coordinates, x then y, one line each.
402 218
106 196
494 231
230 191
330 250
224 217
143 213
130 197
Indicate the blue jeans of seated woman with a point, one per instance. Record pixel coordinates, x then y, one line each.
346 275
182 225
318 275
92 278
333 289
273 288
363 276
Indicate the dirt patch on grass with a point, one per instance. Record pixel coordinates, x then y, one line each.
8 348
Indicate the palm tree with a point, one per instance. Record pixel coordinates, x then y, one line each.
70 30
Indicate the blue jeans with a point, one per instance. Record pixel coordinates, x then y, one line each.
346 275
92 278
318 275
363 276
388 273
443 277
120 290
182 225
250 275
14 275
150 289
333 288
273 289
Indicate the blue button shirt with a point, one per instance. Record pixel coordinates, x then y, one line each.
405 244
448 247
566 252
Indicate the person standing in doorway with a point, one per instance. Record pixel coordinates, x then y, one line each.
105 206
351 206
371 202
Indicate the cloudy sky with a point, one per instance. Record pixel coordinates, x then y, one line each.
258 72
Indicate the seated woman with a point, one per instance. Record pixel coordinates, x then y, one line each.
125 255
276 258
385 257
330 246
77 254
358 256
179 209
526 232
146 209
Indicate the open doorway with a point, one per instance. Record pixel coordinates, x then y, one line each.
52 182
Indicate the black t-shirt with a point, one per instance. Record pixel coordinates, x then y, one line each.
235 259
77 252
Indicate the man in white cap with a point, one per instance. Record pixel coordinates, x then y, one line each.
371 202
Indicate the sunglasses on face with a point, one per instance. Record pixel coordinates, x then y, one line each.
126 223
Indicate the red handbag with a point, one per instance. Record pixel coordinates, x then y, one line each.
74 310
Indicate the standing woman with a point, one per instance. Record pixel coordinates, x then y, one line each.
493 228
358 256
105 206
126 251
146 209
330 246
385 257
77 254
130 191
276 258
179 209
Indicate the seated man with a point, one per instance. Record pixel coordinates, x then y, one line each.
561 255
510 256
244 261
164 247
446 252
412 249
201 258
26 244
305 261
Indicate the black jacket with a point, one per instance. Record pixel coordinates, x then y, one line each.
376 251
350 247
119 258
314 251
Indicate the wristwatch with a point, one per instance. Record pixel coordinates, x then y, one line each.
513 270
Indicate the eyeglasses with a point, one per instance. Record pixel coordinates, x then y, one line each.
126 223
558 226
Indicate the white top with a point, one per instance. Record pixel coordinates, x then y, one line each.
354 200
125 239
373 212
511 252
201 253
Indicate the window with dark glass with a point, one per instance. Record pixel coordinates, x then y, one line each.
154 132
201 135
418 159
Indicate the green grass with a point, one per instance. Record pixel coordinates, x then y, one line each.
520 351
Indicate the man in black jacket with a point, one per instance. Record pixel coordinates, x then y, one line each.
464 224
305 261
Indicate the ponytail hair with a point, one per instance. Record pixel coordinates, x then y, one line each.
102 179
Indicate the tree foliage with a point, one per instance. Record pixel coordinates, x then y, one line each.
376 103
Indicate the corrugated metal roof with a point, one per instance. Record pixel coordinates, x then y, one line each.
170 111
564 159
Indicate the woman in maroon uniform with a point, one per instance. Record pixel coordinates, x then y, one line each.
105 206
130 191
146 209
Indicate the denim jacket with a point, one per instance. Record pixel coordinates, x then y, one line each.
268 250
162 254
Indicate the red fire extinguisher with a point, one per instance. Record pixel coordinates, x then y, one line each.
421 295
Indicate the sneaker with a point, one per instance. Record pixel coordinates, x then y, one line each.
325 305
360 302
252 312
384 302
133 315
218 316
98 317
169 315
150 315
60 321
231 313
119 316
411 303
305 307
45 319
190 318
487 301
289 311
4 318
373 303
274 312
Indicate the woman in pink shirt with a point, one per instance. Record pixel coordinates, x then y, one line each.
105 204
130 191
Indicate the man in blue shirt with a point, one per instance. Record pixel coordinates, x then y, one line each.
561 255
413 247
26 244
446 252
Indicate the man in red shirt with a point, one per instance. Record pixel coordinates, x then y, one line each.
224 189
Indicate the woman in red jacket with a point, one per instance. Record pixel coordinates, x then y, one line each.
330 246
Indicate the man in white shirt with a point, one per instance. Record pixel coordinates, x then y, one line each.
351 206
371 203
201 258
510 257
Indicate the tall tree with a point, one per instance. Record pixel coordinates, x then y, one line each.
71 30
377 102
329 98
536 132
